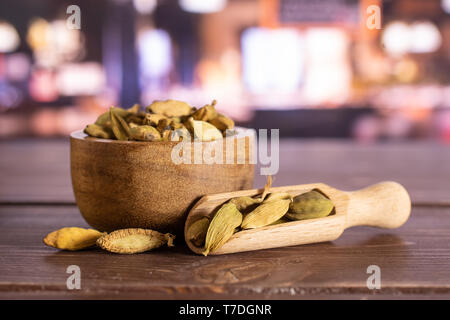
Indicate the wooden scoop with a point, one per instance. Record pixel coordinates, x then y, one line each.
383 205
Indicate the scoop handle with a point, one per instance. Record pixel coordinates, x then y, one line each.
384 205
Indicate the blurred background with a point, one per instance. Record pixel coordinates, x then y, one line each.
311 68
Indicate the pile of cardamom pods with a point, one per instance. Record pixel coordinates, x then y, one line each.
243 213
169 120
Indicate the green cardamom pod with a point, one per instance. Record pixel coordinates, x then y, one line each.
170 108
222 122
310 205
97 131
278 195
206 113
153 119
266 213
222 227
203 131
105 117
120 127
196 233
244 204
144 133
134 109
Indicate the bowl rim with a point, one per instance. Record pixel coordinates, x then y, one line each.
80 135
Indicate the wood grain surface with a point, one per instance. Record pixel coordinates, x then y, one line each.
36 198
414 261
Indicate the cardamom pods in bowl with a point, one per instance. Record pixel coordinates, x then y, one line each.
130 169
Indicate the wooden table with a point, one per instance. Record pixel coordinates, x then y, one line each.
36 198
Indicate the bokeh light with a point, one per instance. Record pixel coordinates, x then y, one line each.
202 6
145 6
9 38
273 59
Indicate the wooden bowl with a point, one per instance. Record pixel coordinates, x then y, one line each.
132 184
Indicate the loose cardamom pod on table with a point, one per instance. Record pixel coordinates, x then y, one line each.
134 240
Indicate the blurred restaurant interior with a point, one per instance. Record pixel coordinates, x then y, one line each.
309 68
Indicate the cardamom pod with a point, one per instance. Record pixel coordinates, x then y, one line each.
120 128
134 109
168 124
222 122
97 131
153 119
180 134
138 118
278 195
244 204
196 233
145 133
170 108
310 205
204 131
164 124
134 240
266 213
206 112
166 135
105 117
222 227
72 238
